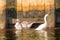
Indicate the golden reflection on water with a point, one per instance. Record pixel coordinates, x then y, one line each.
29 34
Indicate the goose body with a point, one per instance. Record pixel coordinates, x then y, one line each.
44 25
18 25
26 24
29 25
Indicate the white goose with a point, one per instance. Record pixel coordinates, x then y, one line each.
44 25
18 25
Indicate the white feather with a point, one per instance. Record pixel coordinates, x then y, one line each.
29 25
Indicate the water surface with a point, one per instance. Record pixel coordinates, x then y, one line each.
26 34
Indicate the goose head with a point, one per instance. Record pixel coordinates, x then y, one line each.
47 14
17 20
